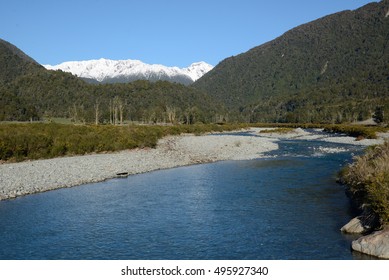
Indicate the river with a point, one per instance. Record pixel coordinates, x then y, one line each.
284 206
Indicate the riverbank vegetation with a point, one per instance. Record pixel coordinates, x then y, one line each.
354 130
38 140
367 181
24 141
281 130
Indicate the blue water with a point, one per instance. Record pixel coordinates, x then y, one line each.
287 206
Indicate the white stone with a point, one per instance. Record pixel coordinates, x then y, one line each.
354 226
375 244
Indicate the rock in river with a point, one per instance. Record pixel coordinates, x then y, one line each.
361 224
375 244
354 226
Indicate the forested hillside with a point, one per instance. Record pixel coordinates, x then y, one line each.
30 92
334 69
14 63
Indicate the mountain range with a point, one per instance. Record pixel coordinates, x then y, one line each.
331 70
125 71
28 91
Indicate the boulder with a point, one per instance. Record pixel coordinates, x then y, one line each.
375 244
361 224
354 226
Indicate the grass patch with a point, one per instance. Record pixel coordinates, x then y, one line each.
354 130
281 130
25 141
367 181
358 131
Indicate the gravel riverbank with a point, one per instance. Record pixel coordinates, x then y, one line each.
17 179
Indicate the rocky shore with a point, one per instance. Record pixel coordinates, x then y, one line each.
373 232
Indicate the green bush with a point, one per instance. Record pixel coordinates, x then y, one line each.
282 130
367 181
32 141
354 130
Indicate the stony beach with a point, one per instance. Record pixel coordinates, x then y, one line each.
29 177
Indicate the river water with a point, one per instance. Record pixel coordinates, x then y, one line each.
285 206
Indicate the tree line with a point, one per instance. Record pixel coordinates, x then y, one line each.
48 94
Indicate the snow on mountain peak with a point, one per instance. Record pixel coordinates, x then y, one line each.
198 69
107 71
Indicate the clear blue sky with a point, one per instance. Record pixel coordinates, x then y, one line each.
169 32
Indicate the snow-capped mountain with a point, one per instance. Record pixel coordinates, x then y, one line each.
122 71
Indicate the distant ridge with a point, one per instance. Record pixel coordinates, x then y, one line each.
16 51
334 69
14 62
124 71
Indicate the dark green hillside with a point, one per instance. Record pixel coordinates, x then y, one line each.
334 69
30 92
14 63
58 94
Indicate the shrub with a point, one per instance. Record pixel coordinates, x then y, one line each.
367 181
357 131
32 141
281 130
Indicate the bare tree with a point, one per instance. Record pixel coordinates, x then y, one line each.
120 105
116 111
110 112
171 114
74 113
97 112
